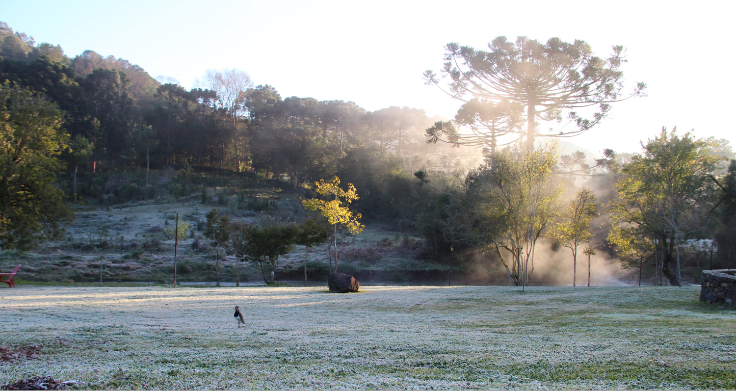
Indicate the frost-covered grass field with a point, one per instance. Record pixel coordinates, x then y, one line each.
386 337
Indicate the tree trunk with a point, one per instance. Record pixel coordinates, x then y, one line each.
504 262
656 253
399 148
574 266
335 240
678 262
340 150
667 260
237 157
237 274
330 256
589 284
531 126
261 264
524 273
176 242
217 267
222 161
235 145
532 262
147 166
307 256
493 138
75 183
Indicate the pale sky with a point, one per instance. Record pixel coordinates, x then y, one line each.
374 53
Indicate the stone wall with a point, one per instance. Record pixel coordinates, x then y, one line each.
718 286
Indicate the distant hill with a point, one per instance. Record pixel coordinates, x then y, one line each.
567 148
19 46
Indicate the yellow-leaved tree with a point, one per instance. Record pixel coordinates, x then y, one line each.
335 208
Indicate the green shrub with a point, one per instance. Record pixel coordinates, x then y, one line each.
133 255
223 197
257 204
129 192
153 243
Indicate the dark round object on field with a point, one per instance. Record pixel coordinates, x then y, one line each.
342 283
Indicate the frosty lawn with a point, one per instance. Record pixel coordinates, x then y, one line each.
380 338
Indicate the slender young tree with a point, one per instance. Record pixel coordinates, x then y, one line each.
143 140
517 198
80 150
575 223
309 234
590 251
180 230
218 231
335 209
186 172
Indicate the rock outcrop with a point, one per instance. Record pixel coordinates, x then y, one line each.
342 283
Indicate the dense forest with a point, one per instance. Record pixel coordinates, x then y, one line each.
467 195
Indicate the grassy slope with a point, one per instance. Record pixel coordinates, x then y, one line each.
98 232
386 337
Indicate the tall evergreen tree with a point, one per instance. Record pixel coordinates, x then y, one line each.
547 79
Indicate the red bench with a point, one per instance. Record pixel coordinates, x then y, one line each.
10 275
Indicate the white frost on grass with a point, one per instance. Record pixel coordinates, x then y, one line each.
387 337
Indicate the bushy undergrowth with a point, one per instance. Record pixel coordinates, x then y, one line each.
368 253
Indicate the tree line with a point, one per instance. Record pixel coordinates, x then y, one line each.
115 117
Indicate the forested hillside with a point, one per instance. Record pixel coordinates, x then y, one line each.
229 124
472 199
